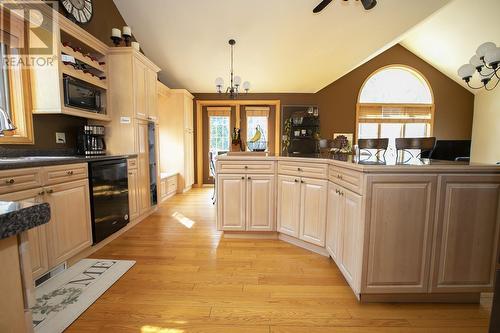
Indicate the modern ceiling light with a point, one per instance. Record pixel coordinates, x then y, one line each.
368 4
485 62
233 90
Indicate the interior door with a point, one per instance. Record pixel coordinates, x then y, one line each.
231 196
260 203
289 205
313 193
334 223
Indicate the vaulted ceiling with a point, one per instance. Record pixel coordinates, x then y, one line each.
450 37
281 45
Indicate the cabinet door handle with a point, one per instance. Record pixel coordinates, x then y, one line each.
246 166
50 191
303 182
249 178
41 193
10 181
296 180
70 173
242 177
299 169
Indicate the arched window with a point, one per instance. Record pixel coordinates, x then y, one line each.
395 101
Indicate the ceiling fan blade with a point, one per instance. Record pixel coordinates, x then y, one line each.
321 6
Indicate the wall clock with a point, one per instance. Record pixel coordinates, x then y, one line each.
80 10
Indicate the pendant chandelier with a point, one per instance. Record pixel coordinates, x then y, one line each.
233 90
486 62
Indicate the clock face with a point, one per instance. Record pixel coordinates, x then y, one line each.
81 10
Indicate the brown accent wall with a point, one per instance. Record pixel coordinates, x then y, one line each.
454 104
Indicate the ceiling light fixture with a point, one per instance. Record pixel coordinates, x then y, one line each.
486 62
233 90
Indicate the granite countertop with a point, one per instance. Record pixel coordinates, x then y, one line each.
7 163
17 217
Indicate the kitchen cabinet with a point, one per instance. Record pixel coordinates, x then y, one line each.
231 194
260 203
334 223
36 236
302 208
140 90
69 230
133 197
176 130
400 215
288 205
468 221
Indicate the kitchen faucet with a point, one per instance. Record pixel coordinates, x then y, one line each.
5 122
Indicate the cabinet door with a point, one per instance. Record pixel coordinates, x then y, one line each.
36 237
231 206
151 79
188 159
143 168
334 224
400 215
260 203
140 90
467 229
69 230
350 256
289 205
132 194
313 210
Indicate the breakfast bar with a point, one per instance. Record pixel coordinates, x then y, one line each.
419 230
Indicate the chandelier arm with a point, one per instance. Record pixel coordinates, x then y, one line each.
490 89
474 87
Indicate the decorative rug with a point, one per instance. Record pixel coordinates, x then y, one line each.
66 296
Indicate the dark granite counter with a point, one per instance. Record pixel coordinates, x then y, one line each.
7 163
16 217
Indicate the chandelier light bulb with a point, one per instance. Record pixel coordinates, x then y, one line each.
466 71
237 80
219 82
476 62
492 57
246 86
484 48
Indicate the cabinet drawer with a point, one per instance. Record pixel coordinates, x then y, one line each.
172 185
18 180
245 167
349 179
64 173
312 170
132 163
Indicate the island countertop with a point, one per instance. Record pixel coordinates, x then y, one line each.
17 217
372 165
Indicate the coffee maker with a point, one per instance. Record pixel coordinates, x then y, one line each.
91 141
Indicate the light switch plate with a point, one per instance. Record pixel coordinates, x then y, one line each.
60 137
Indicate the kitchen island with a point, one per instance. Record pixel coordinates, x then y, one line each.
424 230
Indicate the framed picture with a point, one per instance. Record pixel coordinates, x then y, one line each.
343 142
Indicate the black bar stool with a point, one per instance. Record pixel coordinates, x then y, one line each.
425 145
380 145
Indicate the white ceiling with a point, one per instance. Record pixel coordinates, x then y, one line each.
281 45
450 37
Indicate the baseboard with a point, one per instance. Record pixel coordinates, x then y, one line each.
88 251
422 298
300 243
250 235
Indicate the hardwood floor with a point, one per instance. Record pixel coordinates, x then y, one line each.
188 279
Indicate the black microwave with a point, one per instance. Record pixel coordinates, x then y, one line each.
79 94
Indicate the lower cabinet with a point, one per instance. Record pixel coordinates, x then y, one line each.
133 198
343 231
302 208
69 230
246 202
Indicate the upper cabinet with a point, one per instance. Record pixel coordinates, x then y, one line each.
76 83
145 78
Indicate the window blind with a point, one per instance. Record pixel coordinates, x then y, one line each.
387 113
257 111
220 111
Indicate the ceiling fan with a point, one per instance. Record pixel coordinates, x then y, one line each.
368 4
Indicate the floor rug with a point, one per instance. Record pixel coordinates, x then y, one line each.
66 296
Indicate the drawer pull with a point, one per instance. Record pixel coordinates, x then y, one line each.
41 193
296 180
246 166
299 169
249 178
50 191
10 181
242 177
303 182
70 173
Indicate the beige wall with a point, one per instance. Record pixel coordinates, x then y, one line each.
486 127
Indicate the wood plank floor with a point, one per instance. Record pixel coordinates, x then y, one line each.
189 279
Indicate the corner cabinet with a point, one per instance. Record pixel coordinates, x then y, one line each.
246 202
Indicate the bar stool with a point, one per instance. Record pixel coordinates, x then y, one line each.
373 144
407 144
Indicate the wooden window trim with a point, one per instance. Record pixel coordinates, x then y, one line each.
20 80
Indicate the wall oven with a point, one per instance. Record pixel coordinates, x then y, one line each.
79 94
108 197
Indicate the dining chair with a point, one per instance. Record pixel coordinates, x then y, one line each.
379 144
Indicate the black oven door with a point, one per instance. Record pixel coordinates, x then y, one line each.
109 197
81 95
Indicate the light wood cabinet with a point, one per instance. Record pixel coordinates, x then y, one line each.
289 205
334 225
69 230
140 90
468 221
260 203
36 236
151 94
133 197
400 217
313 193
231 195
